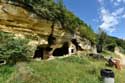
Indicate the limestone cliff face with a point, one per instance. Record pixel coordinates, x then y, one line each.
21 22
16 19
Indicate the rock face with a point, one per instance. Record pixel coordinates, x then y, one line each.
85 44
18 20
25 24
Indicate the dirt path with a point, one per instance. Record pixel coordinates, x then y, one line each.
121 57
22 74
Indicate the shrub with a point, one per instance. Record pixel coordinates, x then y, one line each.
13 50
111 47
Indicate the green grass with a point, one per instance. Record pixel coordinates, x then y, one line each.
5 72
73 69
108 53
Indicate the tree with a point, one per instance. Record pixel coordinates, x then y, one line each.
101 40
101 37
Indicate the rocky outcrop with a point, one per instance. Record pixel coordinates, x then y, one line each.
25 24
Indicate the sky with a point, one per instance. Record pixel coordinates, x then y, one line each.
108 15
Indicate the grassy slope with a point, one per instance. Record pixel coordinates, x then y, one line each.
73 70
5 73
67 70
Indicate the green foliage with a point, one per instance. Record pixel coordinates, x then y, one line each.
5 73
87 32
120 42
17 50
111 47
113 41
106 41
109 42
13 49
101 37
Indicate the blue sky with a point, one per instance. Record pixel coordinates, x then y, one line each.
106 14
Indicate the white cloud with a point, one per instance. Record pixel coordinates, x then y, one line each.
111 17
108 20
118 12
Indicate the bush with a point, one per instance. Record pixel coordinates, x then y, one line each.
13 50
17 50
111 47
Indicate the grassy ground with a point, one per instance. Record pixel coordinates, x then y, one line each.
6 72
73 69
